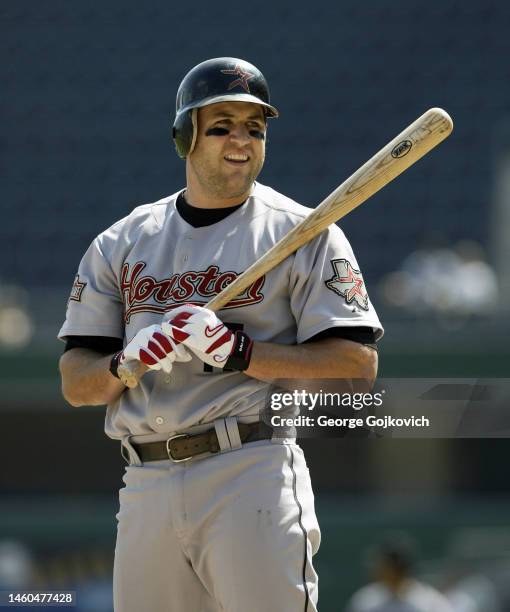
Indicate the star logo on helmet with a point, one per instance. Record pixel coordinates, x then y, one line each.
348 283
242 80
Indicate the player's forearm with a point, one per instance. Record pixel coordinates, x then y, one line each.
86 378
329 358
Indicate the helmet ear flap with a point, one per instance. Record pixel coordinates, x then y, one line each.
184 133
194 123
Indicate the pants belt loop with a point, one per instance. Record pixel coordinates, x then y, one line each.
221 433
233 432
128 452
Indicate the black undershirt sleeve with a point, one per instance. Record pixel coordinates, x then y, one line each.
101 344
108 345
362 335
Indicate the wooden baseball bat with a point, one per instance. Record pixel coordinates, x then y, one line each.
403 151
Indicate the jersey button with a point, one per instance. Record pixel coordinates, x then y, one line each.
160 420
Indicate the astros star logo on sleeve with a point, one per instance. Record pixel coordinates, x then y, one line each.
348 282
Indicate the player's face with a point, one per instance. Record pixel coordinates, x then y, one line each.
230 149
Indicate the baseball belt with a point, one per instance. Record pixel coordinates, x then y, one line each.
186 446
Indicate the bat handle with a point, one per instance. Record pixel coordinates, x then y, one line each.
131 372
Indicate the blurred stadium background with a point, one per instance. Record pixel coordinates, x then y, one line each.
87 104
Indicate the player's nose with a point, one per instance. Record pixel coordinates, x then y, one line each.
240 134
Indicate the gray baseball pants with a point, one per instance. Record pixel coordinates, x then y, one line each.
233 532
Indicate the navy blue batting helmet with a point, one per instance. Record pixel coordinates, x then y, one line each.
222 79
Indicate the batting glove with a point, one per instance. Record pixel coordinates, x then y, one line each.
202 331
155 349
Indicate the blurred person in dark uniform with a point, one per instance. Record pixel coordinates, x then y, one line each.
395 589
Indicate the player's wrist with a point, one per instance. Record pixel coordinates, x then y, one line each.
114 364
240 356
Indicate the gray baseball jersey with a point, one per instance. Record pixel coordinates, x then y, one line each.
235 531
152 261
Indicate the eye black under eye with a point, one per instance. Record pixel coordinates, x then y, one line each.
217 131
221 131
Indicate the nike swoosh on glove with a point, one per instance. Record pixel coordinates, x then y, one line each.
208 337
155 349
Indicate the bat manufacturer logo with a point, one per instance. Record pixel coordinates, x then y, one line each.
348 283
401 149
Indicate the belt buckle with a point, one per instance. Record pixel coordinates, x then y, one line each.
168 448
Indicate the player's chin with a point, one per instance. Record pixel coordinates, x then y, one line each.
241 176
240 184
247 173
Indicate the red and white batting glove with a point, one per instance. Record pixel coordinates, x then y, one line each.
200 330
155 349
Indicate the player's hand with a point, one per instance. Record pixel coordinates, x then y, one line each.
155 349
208 337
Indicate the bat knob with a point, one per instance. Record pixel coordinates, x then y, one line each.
127 376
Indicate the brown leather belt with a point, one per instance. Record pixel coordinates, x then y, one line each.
186 446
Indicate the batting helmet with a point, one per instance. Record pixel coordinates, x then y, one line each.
222 79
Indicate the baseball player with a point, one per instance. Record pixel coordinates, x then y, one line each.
217 513
395 589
